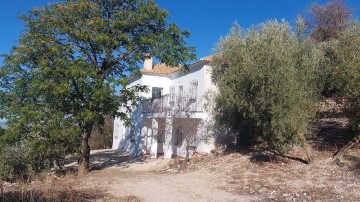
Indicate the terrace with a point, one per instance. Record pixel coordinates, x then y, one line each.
168 103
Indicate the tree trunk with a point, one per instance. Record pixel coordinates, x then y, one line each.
309 153
308 150
187 157
342 150
84 158
2 191
57 164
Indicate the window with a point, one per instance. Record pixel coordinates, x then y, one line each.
193 89
181 91
178 137
172 94
156 92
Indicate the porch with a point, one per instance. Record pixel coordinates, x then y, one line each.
165 136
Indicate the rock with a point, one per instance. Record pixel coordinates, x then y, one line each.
172 170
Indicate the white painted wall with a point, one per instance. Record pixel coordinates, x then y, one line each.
199 71
184 78
156 81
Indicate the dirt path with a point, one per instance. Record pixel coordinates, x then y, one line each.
195 186
234 177
151 180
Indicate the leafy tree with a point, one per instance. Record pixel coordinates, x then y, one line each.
328 21
267 78
347 53
71 65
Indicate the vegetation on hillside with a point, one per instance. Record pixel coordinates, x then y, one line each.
271 77
267 77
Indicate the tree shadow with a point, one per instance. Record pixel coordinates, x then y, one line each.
331 134
107 158
262 155
352 163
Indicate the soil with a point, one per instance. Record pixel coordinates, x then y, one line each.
255 175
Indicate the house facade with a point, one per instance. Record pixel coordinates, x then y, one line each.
172 115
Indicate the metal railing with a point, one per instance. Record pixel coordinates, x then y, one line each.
168 103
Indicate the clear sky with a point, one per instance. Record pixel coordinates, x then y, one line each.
206 20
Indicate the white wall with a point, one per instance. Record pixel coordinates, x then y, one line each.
156 81
180 78
119 131
199 71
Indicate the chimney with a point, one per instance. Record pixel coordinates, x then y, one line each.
148 62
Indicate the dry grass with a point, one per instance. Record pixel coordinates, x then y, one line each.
268 177
56 192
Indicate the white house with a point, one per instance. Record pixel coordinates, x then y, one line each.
174 95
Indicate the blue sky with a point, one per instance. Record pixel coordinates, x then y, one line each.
206 20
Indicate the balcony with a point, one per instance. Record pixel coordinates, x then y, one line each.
168 103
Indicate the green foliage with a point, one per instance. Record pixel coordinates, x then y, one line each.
14 165
71 65
2 131
346 59
267 81
328 23
21 158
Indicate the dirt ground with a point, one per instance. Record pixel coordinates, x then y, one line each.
256 176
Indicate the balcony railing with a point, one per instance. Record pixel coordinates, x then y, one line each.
168 103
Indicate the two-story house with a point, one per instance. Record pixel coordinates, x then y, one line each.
175 103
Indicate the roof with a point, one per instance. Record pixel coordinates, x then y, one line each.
163 69
207 58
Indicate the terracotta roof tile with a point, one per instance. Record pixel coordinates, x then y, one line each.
161 69
207 58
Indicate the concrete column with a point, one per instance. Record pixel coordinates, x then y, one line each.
118 133
154 143
168 145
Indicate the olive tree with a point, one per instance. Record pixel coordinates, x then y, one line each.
347 53
267 79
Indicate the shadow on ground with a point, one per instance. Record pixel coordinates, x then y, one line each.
108 158
331 134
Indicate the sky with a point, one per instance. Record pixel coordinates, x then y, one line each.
206 20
